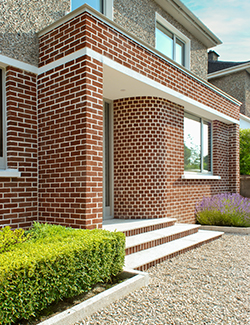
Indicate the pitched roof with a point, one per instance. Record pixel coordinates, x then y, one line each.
214 66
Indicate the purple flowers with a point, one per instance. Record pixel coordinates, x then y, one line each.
224 209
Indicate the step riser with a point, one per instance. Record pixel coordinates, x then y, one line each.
159 241
133 232
157 261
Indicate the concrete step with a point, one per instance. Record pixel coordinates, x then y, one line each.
158 237
144 259
131 227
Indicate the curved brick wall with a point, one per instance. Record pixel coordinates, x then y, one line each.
149 161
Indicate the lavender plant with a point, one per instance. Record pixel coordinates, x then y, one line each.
224 209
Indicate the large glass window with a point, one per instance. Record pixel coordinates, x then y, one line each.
96 4
170 44
197 144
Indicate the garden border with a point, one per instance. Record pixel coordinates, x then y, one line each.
135 280
234 230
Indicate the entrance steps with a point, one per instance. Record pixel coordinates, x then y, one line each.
151 241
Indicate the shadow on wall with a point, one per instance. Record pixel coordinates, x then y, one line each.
20 46
245 185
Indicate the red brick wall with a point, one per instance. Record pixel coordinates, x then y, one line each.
18 196
86 30
149 161
234 159
70 144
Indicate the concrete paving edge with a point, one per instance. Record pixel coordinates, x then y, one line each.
135 280
234 230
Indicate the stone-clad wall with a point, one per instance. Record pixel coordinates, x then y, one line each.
247 95
105 40
22 19
138 17
237 85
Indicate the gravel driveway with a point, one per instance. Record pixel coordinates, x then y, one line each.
208 285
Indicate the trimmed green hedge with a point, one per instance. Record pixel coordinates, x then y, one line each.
245 152
54 265
9 238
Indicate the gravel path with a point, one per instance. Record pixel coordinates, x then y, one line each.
209 285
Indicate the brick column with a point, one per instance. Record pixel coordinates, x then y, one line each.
70 144
220 156
234 159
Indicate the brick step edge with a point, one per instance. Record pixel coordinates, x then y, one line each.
181 251
141 230
160 241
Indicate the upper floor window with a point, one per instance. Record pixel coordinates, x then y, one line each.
172 42
96 4
197 144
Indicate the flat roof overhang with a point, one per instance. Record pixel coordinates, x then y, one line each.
120 82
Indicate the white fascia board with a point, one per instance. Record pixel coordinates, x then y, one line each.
6 61
190 104
98 15
224 72
187 19
63 60
245 118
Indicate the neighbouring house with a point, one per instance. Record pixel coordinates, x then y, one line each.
234 79
106 112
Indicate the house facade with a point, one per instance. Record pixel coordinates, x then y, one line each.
234 79
106 113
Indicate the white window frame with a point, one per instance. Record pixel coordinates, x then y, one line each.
3 159
107 8
4 171
202 172
178 34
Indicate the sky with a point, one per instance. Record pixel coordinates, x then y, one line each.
229 20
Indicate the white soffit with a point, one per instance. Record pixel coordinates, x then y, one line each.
123 83
187 19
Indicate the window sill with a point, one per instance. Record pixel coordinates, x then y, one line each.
199 176
10 173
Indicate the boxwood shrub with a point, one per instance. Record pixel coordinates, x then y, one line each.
55 263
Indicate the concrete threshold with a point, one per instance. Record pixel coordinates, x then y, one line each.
135 280
226 229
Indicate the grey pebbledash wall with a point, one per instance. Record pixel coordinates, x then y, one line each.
21 19
247 95
19 22
238 86
138 17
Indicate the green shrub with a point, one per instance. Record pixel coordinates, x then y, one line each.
9 238
56 264
245 152
224 209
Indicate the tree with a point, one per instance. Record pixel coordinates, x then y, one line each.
245 152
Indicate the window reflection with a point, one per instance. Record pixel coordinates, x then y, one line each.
169 44
192 144
197 144
96 4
